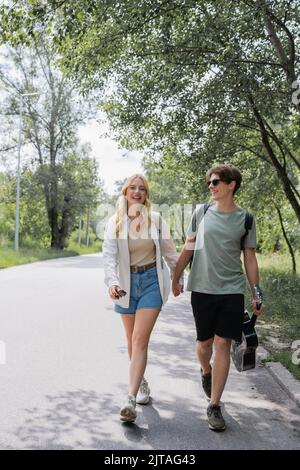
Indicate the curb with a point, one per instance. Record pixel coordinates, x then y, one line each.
282 376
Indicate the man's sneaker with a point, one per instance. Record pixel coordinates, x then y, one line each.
206 383
215 419
143 395
128 411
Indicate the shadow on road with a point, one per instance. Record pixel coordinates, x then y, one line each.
173 342
257 412
84 419
71 420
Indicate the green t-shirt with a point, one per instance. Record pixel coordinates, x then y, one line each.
217 266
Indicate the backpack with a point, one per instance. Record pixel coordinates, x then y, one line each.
247 225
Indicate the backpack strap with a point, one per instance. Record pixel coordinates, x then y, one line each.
159 229
248 226
206 206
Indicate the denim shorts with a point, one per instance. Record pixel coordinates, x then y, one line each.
144 292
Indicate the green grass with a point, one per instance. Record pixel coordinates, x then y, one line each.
29 254
281 290
95 247
9 257
281 293
285 358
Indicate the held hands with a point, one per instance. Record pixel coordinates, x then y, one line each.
176 288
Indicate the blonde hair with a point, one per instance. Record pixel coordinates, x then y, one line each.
122 207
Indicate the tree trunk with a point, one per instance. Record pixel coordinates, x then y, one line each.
80 228
182 225
287 240
58 234
87 237
280 170
55 232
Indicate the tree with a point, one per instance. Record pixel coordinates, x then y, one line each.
64 172
77 190
7 207
188 78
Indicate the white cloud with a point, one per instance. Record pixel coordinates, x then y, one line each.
114 163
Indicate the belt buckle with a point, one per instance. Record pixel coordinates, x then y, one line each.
141 269
148 266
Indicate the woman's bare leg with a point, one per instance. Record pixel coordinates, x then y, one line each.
145 319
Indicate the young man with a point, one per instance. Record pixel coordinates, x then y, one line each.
215 240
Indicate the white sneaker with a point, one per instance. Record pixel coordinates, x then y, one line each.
143 395
128 411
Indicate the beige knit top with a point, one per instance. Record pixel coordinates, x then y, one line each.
141 248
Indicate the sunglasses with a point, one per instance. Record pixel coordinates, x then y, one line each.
213 182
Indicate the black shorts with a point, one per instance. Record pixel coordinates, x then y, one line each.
220 315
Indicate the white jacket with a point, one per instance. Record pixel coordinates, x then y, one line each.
117 259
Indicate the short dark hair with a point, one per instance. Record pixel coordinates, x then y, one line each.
227 173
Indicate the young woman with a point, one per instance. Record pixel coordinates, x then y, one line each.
136 241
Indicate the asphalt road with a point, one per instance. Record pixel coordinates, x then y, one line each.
65 376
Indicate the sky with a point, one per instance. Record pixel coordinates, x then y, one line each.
114 163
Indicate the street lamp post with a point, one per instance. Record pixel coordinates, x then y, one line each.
19 169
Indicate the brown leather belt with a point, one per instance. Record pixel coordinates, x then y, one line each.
142 269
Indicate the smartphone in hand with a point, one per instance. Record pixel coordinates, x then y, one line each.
121 293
